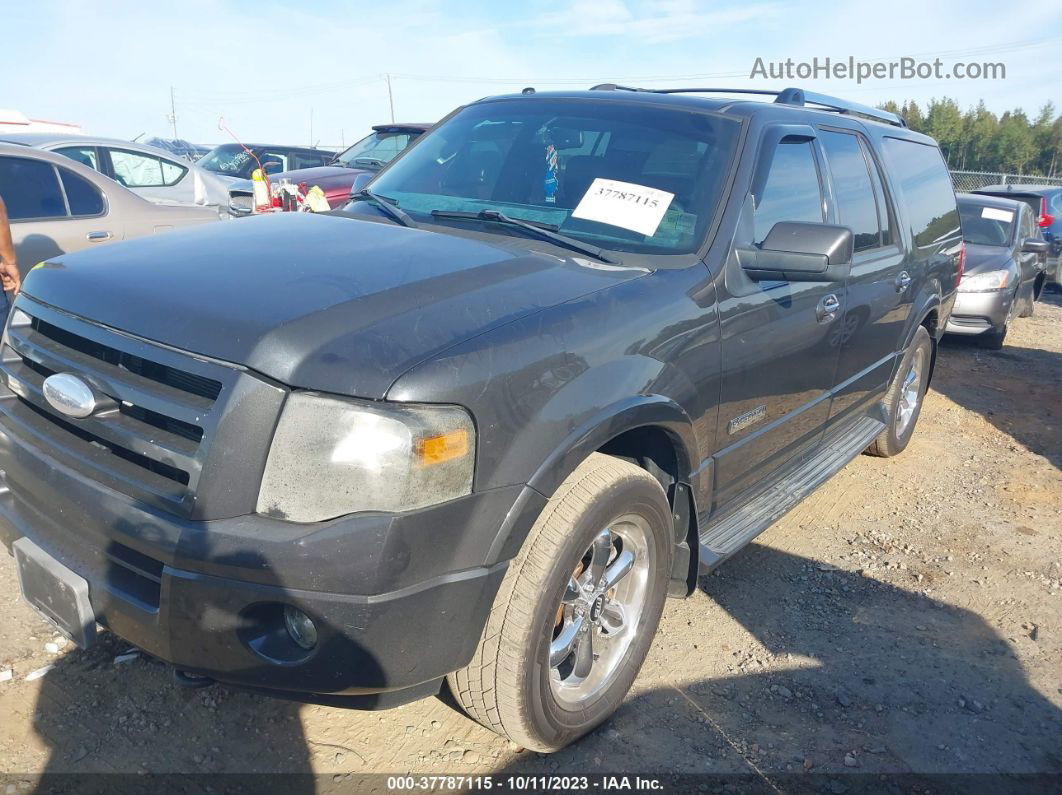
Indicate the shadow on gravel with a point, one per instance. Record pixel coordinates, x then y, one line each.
879 680
1018 390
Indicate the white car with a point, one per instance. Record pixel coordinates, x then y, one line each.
148 171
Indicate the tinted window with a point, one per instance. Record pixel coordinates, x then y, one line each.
232 160
85 155
792 191
852 189
884 213
986 226
81 194
548 161
30 189
926 190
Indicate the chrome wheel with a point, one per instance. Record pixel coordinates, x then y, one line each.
910 393
600 610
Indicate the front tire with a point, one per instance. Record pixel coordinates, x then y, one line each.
577 610
903 401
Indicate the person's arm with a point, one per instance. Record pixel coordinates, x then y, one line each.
8 265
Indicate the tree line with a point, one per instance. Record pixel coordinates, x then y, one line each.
979 140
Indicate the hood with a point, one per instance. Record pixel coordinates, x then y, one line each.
981 259
314 301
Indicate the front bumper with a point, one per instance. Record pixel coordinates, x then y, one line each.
399 600
978 313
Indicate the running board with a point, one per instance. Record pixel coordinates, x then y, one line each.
726 535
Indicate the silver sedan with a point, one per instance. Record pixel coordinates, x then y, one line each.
56 205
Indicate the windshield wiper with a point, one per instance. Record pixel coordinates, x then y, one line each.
389 209
541 231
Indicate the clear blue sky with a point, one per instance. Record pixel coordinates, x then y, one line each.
266 66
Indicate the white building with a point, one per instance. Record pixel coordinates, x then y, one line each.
14 121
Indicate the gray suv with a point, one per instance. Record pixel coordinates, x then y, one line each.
564 353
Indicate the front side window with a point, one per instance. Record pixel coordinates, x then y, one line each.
792 191
618 176
852 189
85 155
138 170
273 162
30 189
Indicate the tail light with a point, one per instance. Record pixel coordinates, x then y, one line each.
1046 219
962 263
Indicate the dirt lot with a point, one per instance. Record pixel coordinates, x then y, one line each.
906 618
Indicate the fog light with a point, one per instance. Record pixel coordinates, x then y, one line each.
300 627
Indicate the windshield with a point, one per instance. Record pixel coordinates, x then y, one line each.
615 175
986 226
233 160
376 150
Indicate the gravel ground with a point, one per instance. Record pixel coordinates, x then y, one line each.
904 619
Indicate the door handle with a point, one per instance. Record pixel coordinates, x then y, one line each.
96 237
828 308
903 281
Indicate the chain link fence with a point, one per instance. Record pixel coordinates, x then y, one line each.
965 181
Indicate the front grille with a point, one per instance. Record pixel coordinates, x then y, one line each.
152 442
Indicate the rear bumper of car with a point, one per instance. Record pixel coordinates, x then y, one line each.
394 602
978 313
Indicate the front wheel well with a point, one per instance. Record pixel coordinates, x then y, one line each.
653 449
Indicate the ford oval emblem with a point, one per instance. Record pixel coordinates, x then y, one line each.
70 395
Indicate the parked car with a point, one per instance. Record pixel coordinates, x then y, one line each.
145 170
57 206
336 179
567 351
1004 272
1046 204
236 161
180 147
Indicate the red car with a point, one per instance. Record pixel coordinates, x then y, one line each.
367 156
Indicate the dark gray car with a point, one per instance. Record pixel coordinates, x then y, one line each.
1005 271
565 352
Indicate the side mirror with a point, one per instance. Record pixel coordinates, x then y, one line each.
800 252
1034 245
360 181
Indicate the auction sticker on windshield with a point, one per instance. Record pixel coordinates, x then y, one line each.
623 204
997 215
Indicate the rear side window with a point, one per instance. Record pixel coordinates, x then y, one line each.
30 189
926 191
852 189
85 155
792 191
81 194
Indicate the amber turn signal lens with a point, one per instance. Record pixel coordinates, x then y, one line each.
447 447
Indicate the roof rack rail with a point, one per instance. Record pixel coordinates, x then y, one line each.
788 96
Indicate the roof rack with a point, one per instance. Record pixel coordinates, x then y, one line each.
787 96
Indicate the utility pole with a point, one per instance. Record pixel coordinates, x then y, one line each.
173 114
390 98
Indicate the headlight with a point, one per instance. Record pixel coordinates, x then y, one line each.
984 282
332 457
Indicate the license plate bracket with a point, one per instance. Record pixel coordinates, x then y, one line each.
59 595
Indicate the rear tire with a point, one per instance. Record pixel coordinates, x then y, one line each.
519 683
903 401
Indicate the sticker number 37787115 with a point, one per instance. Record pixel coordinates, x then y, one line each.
623 204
